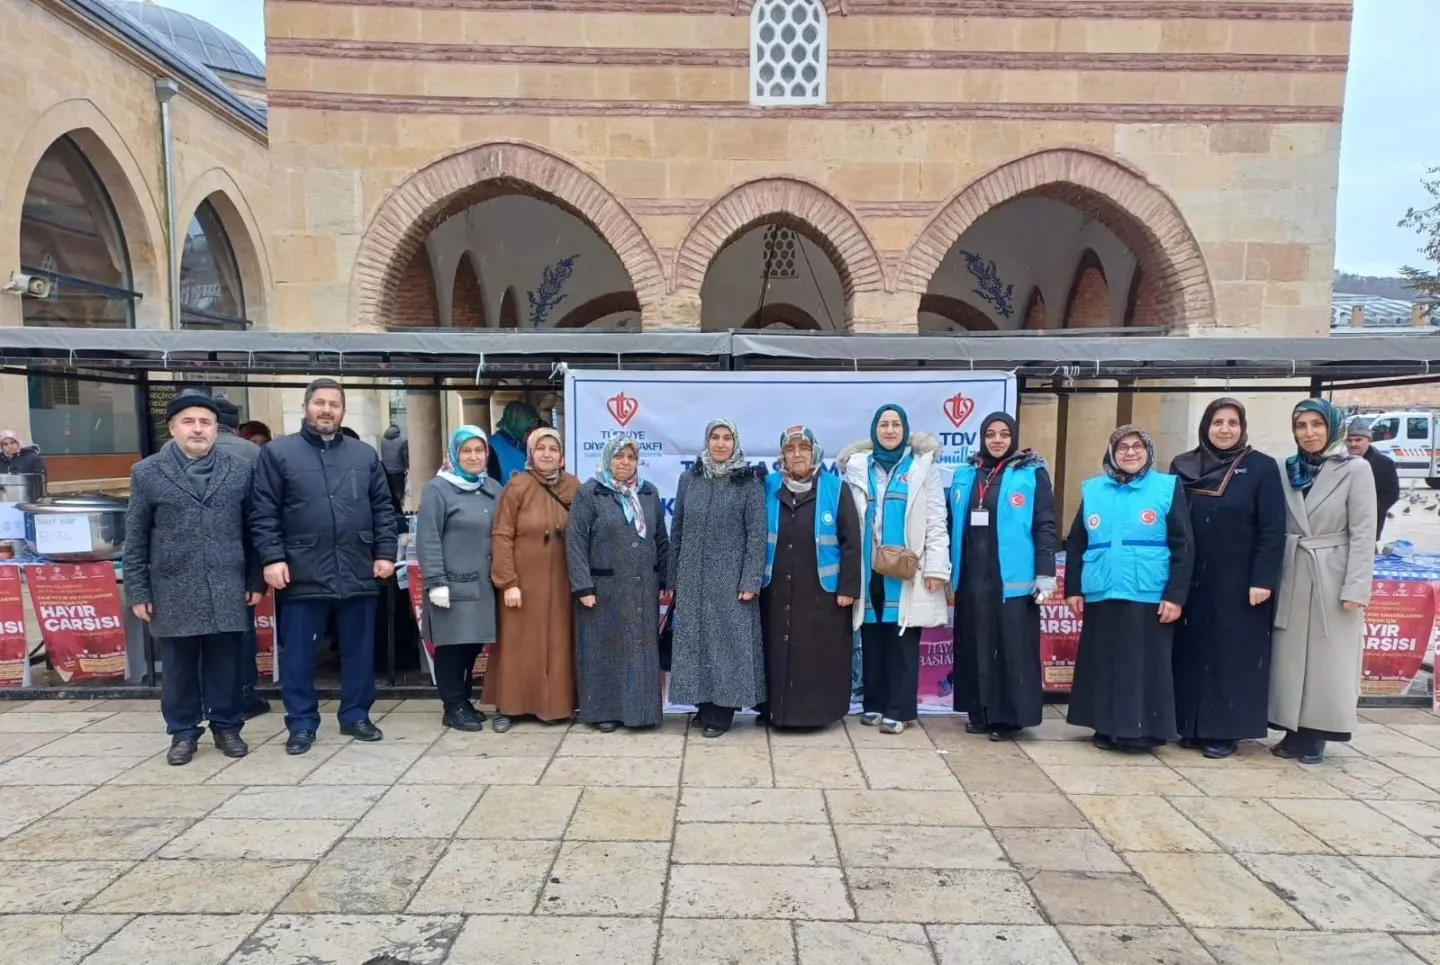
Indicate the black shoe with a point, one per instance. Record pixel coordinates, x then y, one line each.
362 730
1314 754
501 724
1103 742
607 726
230 743
762 720
712 732
461 719
999 734
182 749
973 728
256 708
1287 748
1191 744
1219 750
300 742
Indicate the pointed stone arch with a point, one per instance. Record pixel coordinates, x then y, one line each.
1035 317
417 299
1088 305
464 178
1120 197
467 298
510 309
807 208
243 231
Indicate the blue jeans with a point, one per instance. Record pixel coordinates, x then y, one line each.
302 628
201 677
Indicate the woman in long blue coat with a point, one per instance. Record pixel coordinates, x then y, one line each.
1222 643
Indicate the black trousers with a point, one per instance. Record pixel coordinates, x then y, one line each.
455 673
889 663
396 480
201 675
713 715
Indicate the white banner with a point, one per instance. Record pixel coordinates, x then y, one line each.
666 412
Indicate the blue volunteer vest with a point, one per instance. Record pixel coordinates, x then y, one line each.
510 456
1014 516
827 541
1127 556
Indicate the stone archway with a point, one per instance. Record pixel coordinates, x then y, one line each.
243 230
125 182
1117 196
458 181
790 202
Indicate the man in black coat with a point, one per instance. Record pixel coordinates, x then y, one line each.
324 529
1382 467
190 573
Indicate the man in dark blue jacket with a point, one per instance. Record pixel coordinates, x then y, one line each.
324 529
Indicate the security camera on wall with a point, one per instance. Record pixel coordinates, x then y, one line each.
28 286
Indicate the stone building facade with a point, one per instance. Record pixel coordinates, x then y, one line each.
932 166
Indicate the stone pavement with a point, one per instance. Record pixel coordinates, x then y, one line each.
846 847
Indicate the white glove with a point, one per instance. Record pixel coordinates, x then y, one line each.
440 596
1045 587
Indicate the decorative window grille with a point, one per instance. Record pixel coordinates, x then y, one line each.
788 50
779 255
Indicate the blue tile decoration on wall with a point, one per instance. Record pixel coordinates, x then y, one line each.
999 295
551 291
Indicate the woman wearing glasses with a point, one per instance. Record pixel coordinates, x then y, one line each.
1128 560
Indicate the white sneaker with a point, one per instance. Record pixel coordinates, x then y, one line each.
870 720
888 726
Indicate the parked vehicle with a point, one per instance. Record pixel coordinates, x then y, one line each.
1410 438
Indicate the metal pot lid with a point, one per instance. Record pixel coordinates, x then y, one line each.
77 503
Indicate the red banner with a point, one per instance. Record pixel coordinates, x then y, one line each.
1059 638
417 603
14 650
1397 634
265 636
78 606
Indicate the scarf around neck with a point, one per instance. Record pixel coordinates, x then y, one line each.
197 472
888 459
628 492
455 474
804 436
1206 469
1112 468
1302 468
713 469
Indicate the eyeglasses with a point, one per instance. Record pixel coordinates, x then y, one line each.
1133 447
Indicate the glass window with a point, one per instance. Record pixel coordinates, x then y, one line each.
70 234
1417 427
210 292
788 51
1384 429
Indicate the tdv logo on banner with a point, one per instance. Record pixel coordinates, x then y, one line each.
666 413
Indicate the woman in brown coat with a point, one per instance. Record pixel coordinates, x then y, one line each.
532 669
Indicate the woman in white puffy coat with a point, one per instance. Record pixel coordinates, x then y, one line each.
901 500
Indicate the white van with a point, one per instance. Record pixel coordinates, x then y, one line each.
1410 439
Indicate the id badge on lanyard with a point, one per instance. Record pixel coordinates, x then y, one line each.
981 516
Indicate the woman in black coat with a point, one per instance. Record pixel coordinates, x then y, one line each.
1222 645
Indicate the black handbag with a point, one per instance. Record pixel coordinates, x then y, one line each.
667 637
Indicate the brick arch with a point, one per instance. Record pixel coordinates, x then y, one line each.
772 312
459 180
1118 196
1088 305
416 300
510 309
598 308
809 209
467 298
959 312
1035 316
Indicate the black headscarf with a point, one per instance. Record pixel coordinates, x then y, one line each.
1207 469
983 459
1112 468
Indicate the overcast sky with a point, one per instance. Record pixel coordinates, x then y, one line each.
1391 131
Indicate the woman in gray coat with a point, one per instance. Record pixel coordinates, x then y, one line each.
717 564
452 543
1329 563
616 549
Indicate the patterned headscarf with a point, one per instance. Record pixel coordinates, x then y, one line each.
715 469
888 459
453 472
553 476
1112 468
805 437
629 492
1303 467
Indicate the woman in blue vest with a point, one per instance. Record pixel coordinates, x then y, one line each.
906 566
1002 545
812 578
1128 560
1222 643
507 445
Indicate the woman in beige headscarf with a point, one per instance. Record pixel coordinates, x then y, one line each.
532 670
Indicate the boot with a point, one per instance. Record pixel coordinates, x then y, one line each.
230 743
